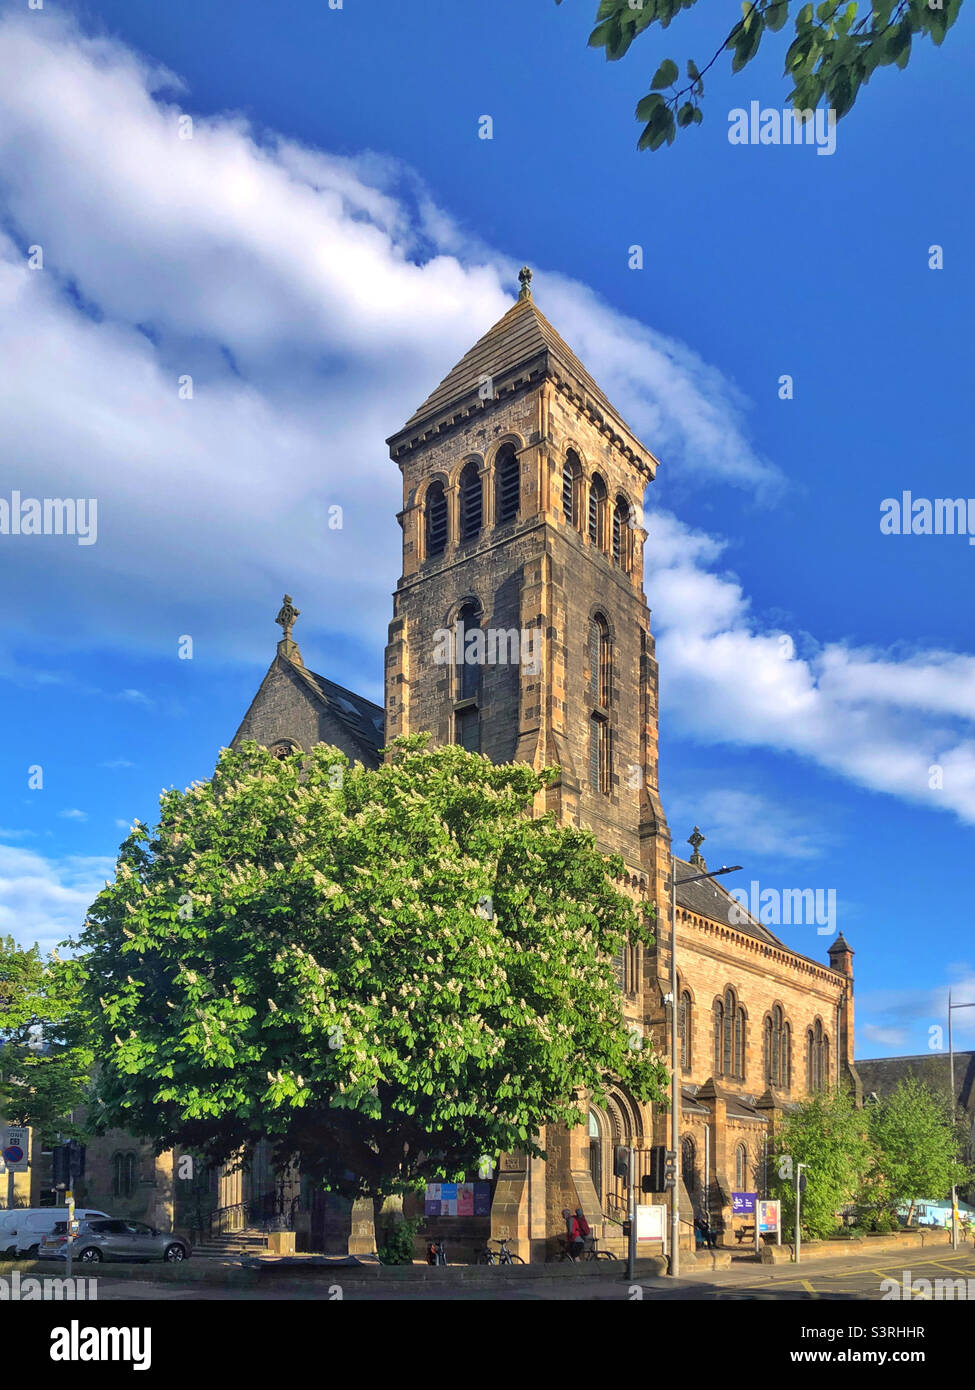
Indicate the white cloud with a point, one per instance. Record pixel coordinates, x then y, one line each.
45 900
729 679
73 814
314 300
738 821
900 1013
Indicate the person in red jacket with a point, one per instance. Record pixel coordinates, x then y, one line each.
576 1230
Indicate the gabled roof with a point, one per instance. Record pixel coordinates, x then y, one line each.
520 337
708 898
363 719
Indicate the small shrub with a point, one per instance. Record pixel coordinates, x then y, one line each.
397 1246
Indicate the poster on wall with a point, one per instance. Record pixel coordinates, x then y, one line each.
457 1199
743 1203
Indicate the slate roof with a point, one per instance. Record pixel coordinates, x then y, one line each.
363 720
521 337
709 898
881 1074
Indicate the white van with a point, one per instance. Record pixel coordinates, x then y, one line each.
23 1228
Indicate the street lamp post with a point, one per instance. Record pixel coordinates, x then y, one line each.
675 1056
951 1073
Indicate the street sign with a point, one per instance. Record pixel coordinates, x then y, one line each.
768 1221
651 1222
15 1148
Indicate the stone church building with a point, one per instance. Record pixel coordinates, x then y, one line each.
522 515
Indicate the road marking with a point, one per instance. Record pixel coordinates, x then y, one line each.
808 1287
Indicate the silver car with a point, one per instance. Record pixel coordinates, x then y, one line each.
113 1239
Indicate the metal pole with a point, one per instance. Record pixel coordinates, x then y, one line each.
631 1243
951 1075
799 1168
674 1080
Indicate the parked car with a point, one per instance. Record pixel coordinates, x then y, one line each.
23 1228
114 1239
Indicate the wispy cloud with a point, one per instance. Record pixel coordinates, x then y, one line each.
903 724
45 900
73 814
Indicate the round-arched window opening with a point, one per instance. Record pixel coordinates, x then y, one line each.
284 748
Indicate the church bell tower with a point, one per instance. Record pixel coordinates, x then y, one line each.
520 627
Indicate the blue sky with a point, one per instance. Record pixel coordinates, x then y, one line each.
330 241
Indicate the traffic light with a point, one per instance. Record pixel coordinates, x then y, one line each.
76 1158
67 1163
621 1162
60 1168
671 1169
656 1179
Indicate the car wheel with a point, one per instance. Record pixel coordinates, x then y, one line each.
91 1256
174 1254
31 1252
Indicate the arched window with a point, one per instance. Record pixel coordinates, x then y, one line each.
436 520
741 1168
768 1051
729 1036
688 1163
785 1058
728 1042
284 748
596 1155
621 533
684 1030
571 473
597 509
507 484
469 653
817 1057
471 501
776 1058
600 659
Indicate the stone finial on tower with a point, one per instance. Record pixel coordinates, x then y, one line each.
286 619
525 280
696 840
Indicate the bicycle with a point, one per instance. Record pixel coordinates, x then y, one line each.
590 1251
504 1256
436 1254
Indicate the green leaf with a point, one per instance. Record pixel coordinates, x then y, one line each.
665 76
692 70
686 114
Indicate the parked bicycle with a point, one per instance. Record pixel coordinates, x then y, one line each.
503 1256
436 1254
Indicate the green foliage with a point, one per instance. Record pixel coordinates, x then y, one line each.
903 1148
45 1054
397 1247
916 1147
835 51
829 1134
390 972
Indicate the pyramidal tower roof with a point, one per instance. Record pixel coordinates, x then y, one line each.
521 343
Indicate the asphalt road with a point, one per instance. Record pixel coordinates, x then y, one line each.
859 1279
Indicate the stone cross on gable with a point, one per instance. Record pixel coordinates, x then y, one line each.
525 280
286 619
696 840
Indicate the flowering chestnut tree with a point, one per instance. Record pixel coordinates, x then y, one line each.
389 972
